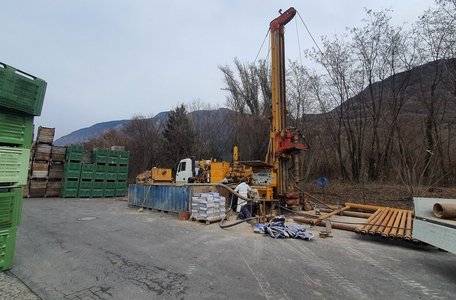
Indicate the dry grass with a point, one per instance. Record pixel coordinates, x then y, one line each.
392 195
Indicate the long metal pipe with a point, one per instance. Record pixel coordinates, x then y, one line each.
393 232
389 226
334 225
384 223
379 221
368 227
349 213
444 210
400 233
359 228
371 208
408 229
328 215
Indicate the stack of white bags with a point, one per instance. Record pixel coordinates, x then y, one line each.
208 206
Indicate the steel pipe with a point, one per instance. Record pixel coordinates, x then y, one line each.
371 208
334 225
377 224
384 223
349 213
360 228
328 215
408 228
394 230
372 223
444 210
400 233
389 226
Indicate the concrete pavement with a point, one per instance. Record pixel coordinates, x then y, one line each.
101 249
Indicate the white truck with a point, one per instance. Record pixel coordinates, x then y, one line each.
189 170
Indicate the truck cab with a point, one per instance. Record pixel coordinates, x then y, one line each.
184 171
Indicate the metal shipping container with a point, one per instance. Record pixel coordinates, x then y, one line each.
161 197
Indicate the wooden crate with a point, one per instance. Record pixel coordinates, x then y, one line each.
55 171
53 188
58 153
37 188
45 135
40 169
42 152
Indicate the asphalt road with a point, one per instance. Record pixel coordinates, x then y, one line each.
101 249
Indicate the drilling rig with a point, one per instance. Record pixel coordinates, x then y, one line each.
272 178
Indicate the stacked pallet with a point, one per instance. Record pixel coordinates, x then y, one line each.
40 160
21 98
208 207
105 175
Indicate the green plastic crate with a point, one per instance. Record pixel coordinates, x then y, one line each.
74 153
100 156
121 192
7 245
10 207
72 170
69 189
85 188
122 176
111 172
109 192
87 171
124 157
100 185
14 163
97 193
110 185
100 172
121 188
16 129
85 184
21 91
84 193
113 157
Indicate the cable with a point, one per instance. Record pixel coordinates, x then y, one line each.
262 44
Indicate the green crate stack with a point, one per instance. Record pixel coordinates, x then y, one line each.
99 161
111 172
122 173
86 181
21 98
72 171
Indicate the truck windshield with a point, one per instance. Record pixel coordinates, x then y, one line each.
182 166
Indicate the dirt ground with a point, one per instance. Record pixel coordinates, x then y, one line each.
391 195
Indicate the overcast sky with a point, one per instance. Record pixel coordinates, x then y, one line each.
109 60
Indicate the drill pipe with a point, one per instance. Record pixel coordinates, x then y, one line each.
400 233
389 226
393 232
379 222
374 220
382 226
369 220
347 213
334 225
444 210
370 208
325 216
408 229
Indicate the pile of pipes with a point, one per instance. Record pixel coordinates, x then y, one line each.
208 206
389 223
381 221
